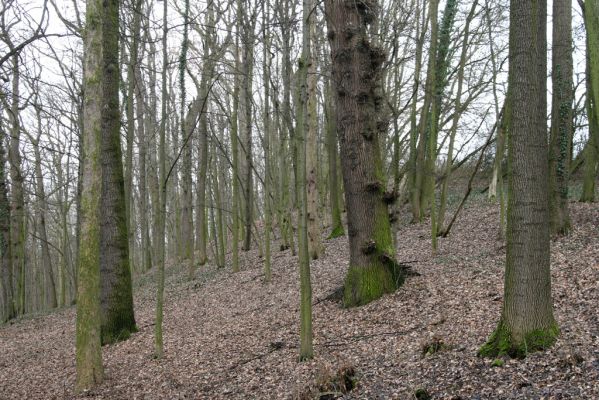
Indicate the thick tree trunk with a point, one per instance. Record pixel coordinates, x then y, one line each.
116 296
527 323
357 73
89 357
561 117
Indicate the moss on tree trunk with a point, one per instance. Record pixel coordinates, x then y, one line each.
357 74
527 323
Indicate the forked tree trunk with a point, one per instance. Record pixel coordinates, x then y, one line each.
357 74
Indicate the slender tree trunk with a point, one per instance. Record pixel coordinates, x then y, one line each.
527 323
17 192
130 113
591 19
266 145
456 117
414 176
286 136
333 155
562 119
303 126
187 239
48 284
424 125
6 273
161 217
142 133
314 240
235 202
246 132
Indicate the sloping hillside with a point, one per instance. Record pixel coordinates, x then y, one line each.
231 336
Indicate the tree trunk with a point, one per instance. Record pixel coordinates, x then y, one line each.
561 117
266 145
303 126
591 19
357 74
17 203
48 284
315 246
527 323
333 155
187 128
161 216
89 357
130 113
116 296
456 118
6 274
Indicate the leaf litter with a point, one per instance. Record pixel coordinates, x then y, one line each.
231 336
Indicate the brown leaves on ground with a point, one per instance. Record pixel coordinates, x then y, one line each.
230 336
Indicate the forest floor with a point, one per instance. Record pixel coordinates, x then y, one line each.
231 336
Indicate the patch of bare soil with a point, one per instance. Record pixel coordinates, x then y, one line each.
230 336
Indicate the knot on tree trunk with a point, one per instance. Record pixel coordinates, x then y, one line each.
374 186
369 247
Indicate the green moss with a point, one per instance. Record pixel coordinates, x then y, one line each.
336 232
110 337
498 362
382 231
501 342
365 284
422 394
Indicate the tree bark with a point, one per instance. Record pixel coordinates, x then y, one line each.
561 117
591 19
357 74
89 357
303 126
527 323
333 156
6 273
17 203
